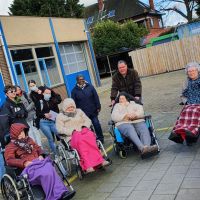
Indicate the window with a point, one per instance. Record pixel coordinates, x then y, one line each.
44 52
151 23
38 64
73 58
21 54
48 67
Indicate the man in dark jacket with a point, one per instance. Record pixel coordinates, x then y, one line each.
125 80
87 99
16 111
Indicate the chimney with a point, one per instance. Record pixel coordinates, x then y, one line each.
100 3
151 3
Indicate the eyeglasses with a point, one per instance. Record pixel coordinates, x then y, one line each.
11 91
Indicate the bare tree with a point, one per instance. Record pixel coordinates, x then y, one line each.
171 5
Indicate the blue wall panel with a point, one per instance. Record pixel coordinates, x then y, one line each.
2 94
71 79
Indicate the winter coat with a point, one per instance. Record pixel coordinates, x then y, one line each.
192 91
35 97
4 125
43 107
16 111
66 125
121 110
16 156
29 105
86 99
131 84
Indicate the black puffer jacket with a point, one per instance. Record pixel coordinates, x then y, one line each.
4 125
130 84
17 113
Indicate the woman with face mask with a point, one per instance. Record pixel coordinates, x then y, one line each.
35 93
44 107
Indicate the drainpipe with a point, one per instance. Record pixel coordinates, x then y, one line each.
6 53
92 54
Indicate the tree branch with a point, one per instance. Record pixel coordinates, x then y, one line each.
176 10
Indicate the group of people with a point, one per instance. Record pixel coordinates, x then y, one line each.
25 117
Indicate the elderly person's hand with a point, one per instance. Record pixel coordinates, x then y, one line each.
132 117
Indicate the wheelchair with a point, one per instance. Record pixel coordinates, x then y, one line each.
122 145
73 158
16 187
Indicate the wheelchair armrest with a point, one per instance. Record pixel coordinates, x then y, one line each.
13 171
111 123
147 117
44 154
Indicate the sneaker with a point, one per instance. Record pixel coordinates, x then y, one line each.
67 195
105 163
145 150
90 170
153 148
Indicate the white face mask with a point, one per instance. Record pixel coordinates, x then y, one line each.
34 88
47 97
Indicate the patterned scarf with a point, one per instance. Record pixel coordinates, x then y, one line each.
23 144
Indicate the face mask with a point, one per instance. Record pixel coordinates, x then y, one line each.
34 88
47 97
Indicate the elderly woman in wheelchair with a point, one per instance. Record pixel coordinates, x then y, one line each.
129 120
75 126
22 152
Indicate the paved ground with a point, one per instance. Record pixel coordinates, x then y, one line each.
173 174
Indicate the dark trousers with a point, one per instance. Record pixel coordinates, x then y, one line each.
97 127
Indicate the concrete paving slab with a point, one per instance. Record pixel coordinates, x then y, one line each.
140 195
147 185
167 188
162 197
121 192
188 194
191 183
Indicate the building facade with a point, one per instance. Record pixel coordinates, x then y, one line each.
51 51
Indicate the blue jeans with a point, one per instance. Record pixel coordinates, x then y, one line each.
49 128
97 128
2 168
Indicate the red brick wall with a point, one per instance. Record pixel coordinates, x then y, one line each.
4 68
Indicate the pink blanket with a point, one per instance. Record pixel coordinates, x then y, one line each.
84 142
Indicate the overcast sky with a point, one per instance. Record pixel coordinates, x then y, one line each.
172 19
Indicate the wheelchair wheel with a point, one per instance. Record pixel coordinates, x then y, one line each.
9 188
122 154
66 160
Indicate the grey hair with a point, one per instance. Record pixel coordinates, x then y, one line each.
192 64
121 61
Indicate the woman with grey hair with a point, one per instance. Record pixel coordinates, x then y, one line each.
191 90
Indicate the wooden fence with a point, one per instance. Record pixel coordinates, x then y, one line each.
166 57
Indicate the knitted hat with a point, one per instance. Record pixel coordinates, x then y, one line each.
67 103
16 129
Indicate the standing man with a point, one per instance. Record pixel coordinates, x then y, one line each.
126 80
87 99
